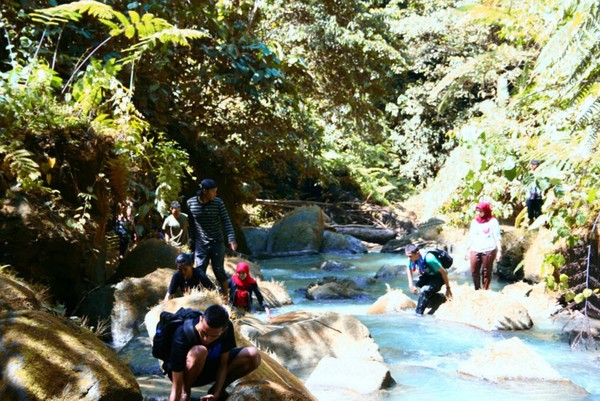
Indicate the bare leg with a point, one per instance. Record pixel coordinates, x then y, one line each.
194 364
225 290
245 362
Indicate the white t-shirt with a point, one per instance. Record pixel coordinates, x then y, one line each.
484 237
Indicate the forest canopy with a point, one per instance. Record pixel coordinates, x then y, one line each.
326 100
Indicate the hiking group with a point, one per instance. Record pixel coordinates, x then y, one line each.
199 348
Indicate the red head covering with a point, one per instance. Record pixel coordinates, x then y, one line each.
486 208
243 267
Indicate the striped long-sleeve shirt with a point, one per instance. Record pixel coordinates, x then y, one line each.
208 220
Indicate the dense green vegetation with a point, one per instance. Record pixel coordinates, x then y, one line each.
311 99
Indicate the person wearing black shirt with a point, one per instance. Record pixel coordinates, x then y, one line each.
213 357
187 277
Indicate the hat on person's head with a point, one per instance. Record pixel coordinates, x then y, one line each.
208 183
535 162
175 205
184 259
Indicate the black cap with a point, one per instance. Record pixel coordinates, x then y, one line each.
208 183
184 258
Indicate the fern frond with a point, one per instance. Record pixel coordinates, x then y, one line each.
74 11
170 35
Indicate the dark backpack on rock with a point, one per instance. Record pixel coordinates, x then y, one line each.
443 256
166 326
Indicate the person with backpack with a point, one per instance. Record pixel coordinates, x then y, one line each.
187 277
432 276
241 287
485 245
203 351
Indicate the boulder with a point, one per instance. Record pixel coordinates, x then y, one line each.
487 310
341 244
302 339
256 239
274 293
17 295
540 303
512 360
387 272
514 243
298 233
133 297
334 288
147 256
391 302
359 376
44 357
336 265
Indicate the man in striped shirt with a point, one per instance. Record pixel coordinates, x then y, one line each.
208 220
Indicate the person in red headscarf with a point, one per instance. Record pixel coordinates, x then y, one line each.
485 245
241 287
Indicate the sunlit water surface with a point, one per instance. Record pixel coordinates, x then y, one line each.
423 353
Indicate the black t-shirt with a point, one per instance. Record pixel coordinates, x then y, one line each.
180 346
198 277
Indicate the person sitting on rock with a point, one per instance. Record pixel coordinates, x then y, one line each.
432 276
187 277
241 287
214 358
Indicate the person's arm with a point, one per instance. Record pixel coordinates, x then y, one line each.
261 300
220 376
411 284
498 238
204 280
444 274
228 226
164 229
172 287
177 388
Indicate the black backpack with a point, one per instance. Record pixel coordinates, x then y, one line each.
443 256
166 326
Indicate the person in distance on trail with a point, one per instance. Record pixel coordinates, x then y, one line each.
485 245
208 219
215 359
241 287
534 200
432 276
175 226
187 277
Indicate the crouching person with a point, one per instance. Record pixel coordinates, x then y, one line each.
432 276
214 359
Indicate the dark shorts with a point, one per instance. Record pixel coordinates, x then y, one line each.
209 373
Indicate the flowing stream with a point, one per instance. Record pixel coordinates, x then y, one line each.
423 353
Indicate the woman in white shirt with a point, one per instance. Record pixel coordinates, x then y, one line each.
484 245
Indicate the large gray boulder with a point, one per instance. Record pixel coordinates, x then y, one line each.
344 374
46 358
298 233
302 339
487 310
133 298
341 244
512 360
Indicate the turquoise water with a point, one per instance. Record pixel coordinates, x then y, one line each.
423 353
